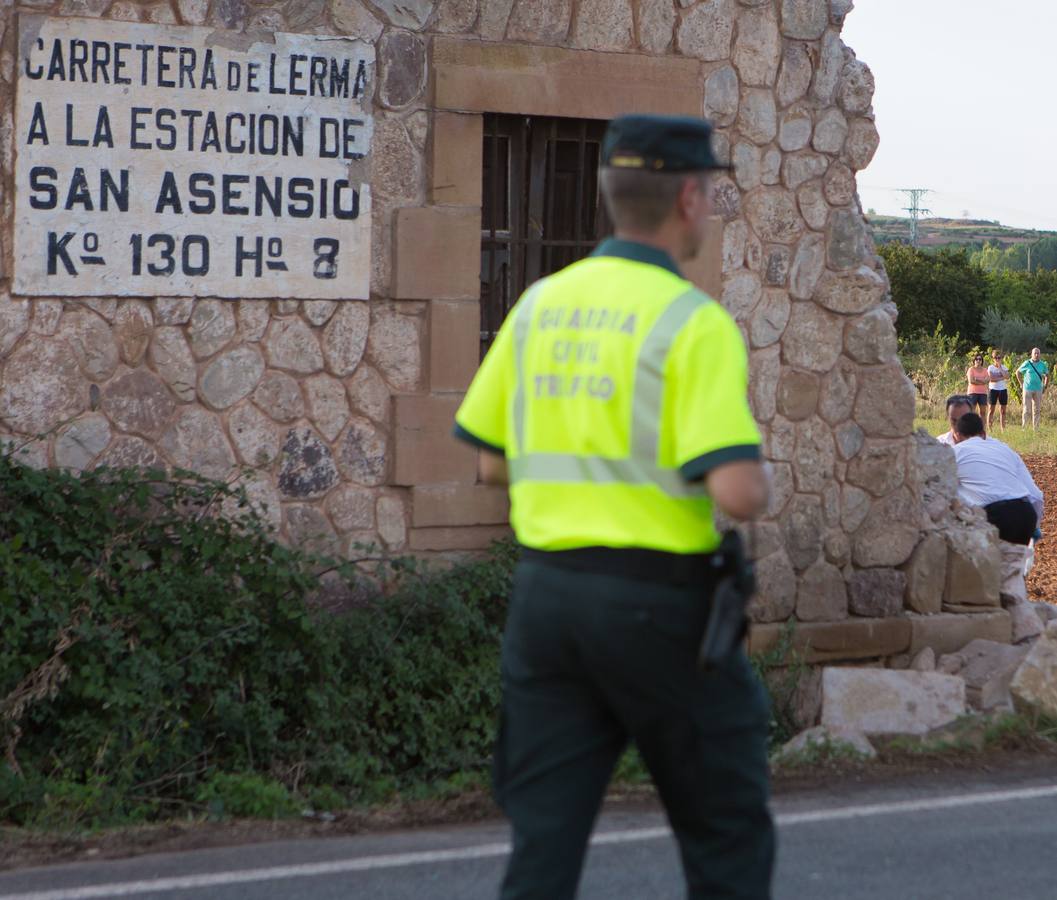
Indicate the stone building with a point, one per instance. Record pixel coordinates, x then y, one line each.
478 157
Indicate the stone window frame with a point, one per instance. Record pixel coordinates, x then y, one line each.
470 78
437 247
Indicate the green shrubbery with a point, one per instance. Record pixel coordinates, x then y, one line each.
157 656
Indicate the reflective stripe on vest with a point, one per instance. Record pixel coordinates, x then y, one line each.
640 466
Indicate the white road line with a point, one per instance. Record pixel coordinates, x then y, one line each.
488 851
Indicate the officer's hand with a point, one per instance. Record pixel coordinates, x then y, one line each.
740 489
491 468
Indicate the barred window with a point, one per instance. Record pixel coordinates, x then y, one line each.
541 208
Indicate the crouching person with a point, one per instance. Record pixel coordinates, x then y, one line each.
992 475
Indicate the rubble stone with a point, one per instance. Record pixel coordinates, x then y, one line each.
822 595
804 19
877 593
139 402
306 466
1034 684
362 455
927 575
231 376
327 404
196 441
290 344
775 597
973 567
757 115
794 77
602 25
988 668
212 327
279 396
822 737
758 47
883 701
91 342
351 508
813 339
133 325
889 532
395 347
706 30
830 132
369 395
722 96
797 394
82 441
772 212
255 437
656 25
345 338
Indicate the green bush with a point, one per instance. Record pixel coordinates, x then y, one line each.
152 647
931 290
1011 332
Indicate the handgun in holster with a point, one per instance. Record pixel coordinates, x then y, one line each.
728 619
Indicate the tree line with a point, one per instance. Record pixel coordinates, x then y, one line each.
959 292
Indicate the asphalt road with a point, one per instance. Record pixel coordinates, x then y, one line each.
977 839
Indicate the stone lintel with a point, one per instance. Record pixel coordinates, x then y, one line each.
949 632
534 80
458 504
474 537
425 451
828 641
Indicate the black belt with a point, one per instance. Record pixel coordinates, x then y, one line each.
630 562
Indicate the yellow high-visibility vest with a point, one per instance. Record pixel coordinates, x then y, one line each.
613 387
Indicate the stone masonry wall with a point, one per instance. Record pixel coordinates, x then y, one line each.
341 410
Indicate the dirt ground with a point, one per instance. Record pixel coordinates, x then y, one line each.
1042 581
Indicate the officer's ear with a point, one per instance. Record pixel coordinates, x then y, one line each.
693 194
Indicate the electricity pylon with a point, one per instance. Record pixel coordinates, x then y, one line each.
915 209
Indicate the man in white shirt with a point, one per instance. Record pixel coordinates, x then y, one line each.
957 406
992 475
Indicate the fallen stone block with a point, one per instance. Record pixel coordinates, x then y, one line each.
883 701
974 566
1024 622
987 671
950 663
1012 584
824 739
924 661
1046 612
1034 685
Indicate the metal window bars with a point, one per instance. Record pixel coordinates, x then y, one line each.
541 209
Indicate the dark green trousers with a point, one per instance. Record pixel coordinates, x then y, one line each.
592 661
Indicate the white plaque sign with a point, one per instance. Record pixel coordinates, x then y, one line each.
166 161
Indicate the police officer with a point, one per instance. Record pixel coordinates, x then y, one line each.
614 402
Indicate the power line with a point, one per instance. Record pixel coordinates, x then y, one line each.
915 209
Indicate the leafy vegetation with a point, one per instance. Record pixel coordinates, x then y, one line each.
934 290
160 657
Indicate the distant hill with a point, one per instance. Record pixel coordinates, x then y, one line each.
951 232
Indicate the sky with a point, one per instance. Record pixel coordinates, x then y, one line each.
964 106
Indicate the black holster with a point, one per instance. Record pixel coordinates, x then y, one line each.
728 619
